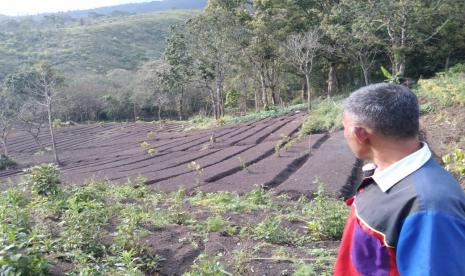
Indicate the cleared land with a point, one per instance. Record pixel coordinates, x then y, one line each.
230 158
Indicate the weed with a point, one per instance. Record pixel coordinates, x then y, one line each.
43 179
151 135
215 224
197 169
322 264
326 215
283 141
455 162
204 266
145 145
327 116
6 162
152 152
212 139
270 230
243 164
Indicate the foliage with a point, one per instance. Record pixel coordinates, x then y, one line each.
390 77
323 263
21 250
455 162
446 88
203 266
271 230
44 179
6 162
325 117
326 215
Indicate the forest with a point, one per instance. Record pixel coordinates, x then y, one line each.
233 57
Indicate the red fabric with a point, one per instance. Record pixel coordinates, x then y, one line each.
344 265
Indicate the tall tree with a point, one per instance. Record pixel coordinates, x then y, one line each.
300 51
179 59
40 84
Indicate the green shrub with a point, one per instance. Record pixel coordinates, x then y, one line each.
203 266
327 215
271 230
6 162
21 251
326 116
446 88
43 179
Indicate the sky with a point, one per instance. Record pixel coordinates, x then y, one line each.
32 7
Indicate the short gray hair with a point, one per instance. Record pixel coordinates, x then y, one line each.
389 109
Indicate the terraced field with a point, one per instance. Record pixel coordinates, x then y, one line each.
230 158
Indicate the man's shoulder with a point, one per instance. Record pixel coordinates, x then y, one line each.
436 189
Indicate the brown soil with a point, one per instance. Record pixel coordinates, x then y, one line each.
232 158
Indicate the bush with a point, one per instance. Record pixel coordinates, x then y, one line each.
43 179
21 252
446 88
6 162
326 116
327 215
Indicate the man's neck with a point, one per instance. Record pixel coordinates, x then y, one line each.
387 152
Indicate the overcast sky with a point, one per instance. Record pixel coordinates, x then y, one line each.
31 7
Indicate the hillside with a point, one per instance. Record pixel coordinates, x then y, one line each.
143 7
97 46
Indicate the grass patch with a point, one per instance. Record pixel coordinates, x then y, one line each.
324 117
446 88
101 228
205 122
6 162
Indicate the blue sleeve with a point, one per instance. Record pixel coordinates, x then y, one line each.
431 244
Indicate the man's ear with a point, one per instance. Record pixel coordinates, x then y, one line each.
361 134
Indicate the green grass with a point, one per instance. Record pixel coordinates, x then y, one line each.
6 162
326 116
117 42
204 122
446 89
39 226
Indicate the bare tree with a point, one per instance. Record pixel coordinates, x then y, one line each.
40 85
33 118
300 52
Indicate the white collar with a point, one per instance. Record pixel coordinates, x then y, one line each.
390 176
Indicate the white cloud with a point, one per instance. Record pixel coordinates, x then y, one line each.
24 7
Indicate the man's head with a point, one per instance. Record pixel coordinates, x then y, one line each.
388 111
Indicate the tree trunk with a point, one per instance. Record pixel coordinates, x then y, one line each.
134 105
332 80
212 98
219 94
5 149
159 113
263 88
256 100
180 103
49 111
446 66
307 79
304 88
245 87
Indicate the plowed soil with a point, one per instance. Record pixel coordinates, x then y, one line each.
230 158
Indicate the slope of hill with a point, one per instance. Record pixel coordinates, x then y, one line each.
98 46
143 7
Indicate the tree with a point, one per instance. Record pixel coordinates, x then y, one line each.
300 52
179 71
40 84
151 78
9 111
32 118
213 37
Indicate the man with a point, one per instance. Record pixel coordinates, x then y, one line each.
408 213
